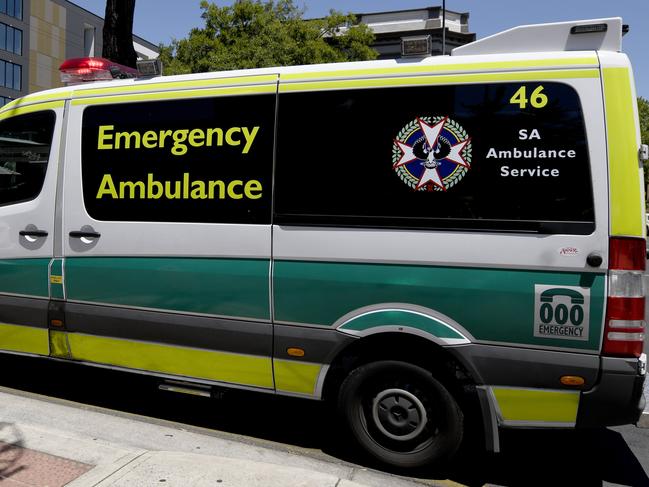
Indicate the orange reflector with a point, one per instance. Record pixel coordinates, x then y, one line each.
58 323
295 352
572 380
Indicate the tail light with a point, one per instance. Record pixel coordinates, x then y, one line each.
625 325
80 70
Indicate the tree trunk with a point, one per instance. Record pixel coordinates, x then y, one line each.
118 32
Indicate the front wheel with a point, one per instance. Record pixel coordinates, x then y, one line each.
401 414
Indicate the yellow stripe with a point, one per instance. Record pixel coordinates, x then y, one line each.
170 95
179 85
442 79
537 405
298 377
31 108
432 69
31 99
59 344
626 193
188 362
27 339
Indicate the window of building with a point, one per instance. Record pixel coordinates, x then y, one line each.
11 39
89 40
25 143
461 157
13 8
4 100
18 72
10 75
18 41
201 160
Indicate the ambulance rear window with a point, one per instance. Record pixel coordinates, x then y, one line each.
501 156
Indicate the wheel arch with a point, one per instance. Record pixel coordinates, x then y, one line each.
399 331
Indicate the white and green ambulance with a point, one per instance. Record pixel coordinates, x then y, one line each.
428 243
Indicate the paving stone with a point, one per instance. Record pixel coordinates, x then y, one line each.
24 467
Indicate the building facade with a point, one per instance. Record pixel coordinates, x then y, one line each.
390 27
36 36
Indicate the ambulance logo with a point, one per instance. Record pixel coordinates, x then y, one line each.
561 312
431 153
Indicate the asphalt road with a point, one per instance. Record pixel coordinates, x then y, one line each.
618 456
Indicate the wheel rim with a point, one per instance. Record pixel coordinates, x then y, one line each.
407 433
399 414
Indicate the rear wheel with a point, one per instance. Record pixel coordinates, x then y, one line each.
401 414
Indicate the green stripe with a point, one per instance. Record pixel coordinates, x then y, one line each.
24 276
26 339
537 405
56 275
167 359
228 287
491 304
401 318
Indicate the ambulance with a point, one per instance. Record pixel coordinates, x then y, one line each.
437 246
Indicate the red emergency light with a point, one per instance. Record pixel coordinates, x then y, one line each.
81 70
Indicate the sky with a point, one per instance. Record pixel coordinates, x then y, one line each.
160 21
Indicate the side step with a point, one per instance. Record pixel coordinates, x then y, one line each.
186 388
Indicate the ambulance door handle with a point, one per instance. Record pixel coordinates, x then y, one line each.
85 234
33 233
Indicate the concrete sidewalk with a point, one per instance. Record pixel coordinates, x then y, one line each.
51 442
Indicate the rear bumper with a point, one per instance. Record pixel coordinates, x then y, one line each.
617 398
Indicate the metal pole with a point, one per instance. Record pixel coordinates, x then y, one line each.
443 27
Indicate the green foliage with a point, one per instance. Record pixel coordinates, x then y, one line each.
256 33
643 113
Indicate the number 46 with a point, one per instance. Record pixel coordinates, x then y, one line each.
537 100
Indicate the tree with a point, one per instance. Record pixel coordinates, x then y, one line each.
643 113
118 32
256 33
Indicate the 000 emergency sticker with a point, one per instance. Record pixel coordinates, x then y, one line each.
561 312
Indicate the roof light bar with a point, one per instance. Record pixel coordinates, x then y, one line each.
80 70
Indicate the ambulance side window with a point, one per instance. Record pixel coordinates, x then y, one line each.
497 156
25 143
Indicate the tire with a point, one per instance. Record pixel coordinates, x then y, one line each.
400 414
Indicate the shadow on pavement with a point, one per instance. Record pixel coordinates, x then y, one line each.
536 457
528 458
11 450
